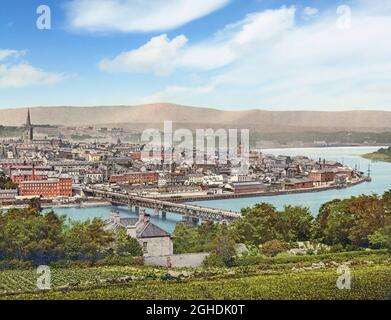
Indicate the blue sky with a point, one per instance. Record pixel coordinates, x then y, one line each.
229 54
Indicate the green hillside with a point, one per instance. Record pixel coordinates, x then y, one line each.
380 155
295 277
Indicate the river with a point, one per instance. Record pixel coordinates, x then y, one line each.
351 156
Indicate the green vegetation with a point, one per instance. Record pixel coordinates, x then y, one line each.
380 155
305 277
342 225
6 132
88 262
30 238
6 183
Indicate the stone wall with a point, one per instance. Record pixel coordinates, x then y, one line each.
189 260
156 247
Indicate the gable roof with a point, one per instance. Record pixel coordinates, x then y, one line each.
152 231
145 230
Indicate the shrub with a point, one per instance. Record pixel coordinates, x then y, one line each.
214 260
378 240
273 247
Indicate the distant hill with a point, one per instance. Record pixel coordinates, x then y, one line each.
155 114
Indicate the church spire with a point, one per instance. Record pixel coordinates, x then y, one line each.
28 135
28 122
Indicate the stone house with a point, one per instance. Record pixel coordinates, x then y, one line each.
155 241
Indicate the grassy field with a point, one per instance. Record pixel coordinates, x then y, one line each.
311 277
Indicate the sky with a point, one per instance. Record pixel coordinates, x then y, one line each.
227 54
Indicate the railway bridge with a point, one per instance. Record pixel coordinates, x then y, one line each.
186 210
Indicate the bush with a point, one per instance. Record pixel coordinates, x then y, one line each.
378 240
273 247
14 264
214 260
120 261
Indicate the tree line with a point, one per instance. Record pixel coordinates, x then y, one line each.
30 237
350 224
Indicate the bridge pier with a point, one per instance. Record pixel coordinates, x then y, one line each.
137 210
164 215
195 220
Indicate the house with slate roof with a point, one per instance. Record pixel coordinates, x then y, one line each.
155 241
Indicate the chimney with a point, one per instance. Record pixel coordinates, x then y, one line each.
147 218
115 218
33 171
144 217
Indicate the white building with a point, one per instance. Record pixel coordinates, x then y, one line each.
155 241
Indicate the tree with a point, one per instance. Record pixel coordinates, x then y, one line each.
351 221
223 246
186 239
30 235
258 225
126 245
6 183
87 240
295 224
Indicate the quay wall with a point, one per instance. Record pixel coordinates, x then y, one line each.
257 194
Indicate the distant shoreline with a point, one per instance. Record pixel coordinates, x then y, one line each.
375 156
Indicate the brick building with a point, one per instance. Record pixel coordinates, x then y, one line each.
322 176
51 188
248 187
33 175
135 178
298 183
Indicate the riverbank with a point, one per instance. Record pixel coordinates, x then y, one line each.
87 204
205 197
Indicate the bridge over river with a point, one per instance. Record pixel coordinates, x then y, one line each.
186 210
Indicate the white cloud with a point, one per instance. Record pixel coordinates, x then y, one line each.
22 74
136 15
161 56
155 56
310 66
8 53
310 12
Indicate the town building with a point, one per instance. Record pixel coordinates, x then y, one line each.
155 241
298 183
135 178
248 187
320 177
33 175
8 195
51 188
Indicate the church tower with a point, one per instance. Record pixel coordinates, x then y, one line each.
28 135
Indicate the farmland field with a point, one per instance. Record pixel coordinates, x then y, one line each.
307 278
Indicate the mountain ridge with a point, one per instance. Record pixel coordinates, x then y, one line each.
123 115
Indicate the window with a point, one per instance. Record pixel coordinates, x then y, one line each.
145 247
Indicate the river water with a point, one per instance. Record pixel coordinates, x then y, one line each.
351 156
